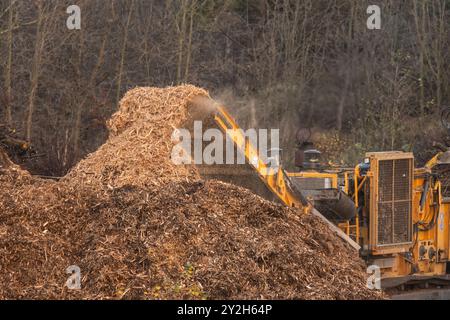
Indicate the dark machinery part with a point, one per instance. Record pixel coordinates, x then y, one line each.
306 156
336 202
18 145
363 168
444 159
431 253
309 159
423 197
422 252
14 146
442 171
332 203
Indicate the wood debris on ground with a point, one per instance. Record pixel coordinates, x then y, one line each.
140 227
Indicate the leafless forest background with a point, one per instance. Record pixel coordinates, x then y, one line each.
284 64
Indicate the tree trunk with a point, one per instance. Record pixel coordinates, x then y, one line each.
8 70
189 48
123 51
35 70
182 31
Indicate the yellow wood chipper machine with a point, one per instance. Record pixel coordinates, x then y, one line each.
394 214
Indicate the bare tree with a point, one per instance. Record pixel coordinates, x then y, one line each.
8 69
276 63
36 67
123 51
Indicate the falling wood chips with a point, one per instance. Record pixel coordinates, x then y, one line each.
140 227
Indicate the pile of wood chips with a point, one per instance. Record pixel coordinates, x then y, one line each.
139 227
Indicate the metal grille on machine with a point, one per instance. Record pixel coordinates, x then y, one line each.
394 206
